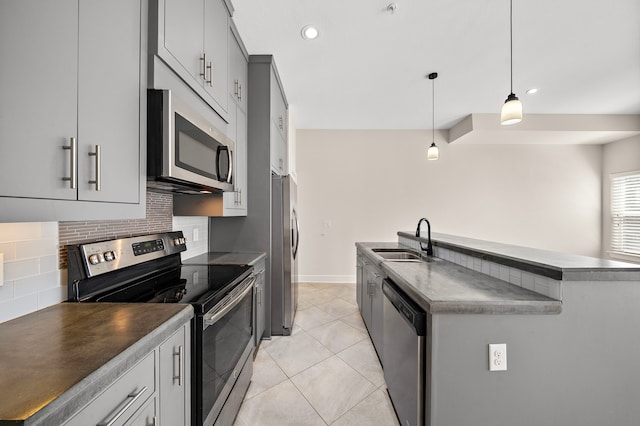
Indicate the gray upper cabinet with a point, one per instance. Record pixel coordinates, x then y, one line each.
235 203
192 40
38 105
72 83
238 71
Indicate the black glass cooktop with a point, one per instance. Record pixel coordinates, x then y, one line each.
200 285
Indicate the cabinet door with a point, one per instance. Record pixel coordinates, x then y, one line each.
174 379
238 72
260 305
359 281
366 297
278 106
184 37
38 97
109 100
377 316
278 151
216 45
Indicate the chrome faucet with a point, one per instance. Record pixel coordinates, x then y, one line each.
429 248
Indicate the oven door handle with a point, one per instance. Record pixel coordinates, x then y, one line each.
236 297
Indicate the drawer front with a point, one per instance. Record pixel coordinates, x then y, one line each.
146 416
122 398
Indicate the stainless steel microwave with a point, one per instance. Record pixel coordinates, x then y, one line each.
185 152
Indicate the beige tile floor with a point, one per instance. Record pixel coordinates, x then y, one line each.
325 373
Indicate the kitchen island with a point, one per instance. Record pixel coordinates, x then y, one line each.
57 361
570 324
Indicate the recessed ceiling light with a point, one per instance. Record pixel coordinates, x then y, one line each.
309 32
532 91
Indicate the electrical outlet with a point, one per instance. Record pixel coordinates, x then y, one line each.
195 278
196 237
497 356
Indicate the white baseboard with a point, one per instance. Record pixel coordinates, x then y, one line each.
350 279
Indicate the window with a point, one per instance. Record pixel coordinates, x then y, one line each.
625 213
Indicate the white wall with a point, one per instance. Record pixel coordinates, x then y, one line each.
365 185
618 157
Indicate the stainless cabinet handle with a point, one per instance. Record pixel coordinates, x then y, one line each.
210 68
131 399
180 355
240 92
239 196
155 421
203 59
236 89
73 163
280 123
98 156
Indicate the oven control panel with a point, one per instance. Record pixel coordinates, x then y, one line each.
106 256
147 247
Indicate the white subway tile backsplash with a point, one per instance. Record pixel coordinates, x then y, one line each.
6 291
36 284
49 263
52 296
36 248
477 264
504 273
17 307
19 269
515 276
495 270
528 281
9 251
20 231
486 267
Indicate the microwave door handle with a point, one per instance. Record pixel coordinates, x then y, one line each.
230 174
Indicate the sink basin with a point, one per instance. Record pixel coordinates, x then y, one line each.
398 255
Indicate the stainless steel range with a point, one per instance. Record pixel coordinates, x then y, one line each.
147 269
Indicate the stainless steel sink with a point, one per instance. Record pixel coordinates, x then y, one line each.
398 255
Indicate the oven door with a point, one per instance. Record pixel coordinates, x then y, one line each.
227 341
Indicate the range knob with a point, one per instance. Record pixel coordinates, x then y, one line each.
109 256
179 241
94 259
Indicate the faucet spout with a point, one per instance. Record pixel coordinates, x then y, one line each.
429 248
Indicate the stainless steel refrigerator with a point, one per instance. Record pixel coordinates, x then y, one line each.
285 239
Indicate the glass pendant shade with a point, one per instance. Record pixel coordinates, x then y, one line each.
432 152
511 111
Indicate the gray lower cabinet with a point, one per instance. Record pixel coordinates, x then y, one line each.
260 301
175 382
369 283
147 415
137 398
120 401
72 81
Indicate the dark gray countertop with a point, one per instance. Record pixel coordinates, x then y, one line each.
556 265
226 258
442 287
54 361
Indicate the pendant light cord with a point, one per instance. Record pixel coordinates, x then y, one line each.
433 77
511 39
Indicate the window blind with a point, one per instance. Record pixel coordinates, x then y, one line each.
625 213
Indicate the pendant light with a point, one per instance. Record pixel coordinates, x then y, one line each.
512 109
433 152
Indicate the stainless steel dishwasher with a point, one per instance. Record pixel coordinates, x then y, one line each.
404 332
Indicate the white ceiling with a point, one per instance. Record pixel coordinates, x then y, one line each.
368 68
